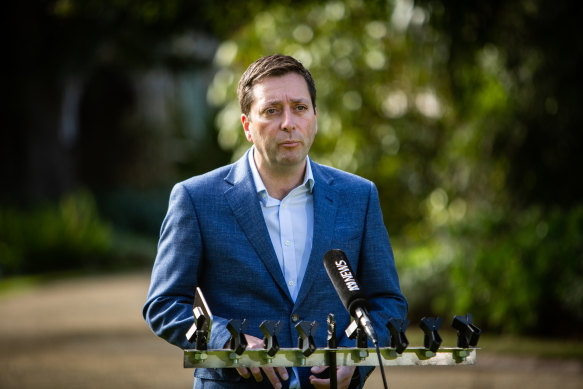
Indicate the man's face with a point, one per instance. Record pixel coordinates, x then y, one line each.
281 123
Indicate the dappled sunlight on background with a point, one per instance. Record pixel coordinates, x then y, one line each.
464 114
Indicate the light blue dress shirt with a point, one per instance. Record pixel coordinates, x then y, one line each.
290 223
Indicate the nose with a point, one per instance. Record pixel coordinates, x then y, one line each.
288 123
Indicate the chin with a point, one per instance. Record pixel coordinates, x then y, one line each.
291 161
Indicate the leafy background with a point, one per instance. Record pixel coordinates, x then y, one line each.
463 113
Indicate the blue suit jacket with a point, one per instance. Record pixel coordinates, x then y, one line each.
214 237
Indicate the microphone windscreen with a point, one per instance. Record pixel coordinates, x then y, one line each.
344 281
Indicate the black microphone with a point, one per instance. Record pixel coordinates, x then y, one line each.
354 300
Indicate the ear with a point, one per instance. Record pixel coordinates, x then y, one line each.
316 117
246 127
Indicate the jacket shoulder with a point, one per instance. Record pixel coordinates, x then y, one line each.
206 180
336 177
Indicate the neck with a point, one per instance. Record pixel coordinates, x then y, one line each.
280 183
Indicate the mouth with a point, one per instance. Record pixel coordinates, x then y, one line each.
290 143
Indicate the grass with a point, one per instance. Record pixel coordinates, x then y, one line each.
490 343
510 344
540 347
16 284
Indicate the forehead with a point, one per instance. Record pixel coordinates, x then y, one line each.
290 86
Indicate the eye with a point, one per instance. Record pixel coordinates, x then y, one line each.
271 111
302 108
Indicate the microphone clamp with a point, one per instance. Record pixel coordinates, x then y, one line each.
365 323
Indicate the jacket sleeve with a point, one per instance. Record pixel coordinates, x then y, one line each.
168 309
378 278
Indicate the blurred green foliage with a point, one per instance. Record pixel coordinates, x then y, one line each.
381 112
432 118
465 115
77 235
51 238
525 272
520 272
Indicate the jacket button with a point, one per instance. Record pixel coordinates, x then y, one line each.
295 317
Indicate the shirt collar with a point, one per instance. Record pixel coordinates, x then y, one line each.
260 187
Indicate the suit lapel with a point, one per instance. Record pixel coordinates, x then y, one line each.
242 198
324 216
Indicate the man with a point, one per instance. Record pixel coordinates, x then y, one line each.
252 236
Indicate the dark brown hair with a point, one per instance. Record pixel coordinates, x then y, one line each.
271 66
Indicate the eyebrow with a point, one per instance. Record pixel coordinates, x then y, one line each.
299 100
